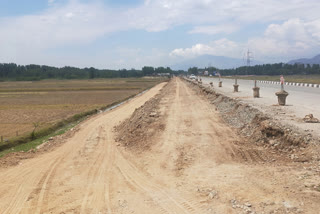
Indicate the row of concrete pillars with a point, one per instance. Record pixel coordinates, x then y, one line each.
282 94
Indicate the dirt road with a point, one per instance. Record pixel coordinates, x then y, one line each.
195 164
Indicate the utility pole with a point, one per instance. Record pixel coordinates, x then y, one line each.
249 58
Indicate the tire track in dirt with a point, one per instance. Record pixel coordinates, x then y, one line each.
16 201
168 201
42 201
94 174
66 168
101 196
21 197
159 196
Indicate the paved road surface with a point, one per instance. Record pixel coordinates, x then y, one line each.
300 102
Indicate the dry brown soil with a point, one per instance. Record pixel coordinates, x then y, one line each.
49 101
192 162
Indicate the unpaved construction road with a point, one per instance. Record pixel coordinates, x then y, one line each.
195 163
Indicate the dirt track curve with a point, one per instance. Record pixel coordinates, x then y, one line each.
193 166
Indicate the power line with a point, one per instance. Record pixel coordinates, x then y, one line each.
249 57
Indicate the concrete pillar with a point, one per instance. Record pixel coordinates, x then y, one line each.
235 88
282 96
256 92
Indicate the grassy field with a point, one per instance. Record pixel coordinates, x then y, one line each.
314 79
47 102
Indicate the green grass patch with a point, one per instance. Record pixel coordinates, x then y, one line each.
38 134
25 147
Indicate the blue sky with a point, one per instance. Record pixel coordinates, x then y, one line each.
131 34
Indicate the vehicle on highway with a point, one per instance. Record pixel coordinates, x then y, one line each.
192 76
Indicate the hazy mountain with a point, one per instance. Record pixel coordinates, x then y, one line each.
206 60
311 61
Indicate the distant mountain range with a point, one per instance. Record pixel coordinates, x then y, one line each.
311 61
203 61
223 62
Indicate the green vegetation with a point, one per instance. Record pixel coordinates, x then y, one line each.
37 137
25 147
274 69
14 72
36 134
60 109
313 79
266 69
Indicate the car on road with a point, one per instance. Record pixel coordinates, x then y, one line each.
192 76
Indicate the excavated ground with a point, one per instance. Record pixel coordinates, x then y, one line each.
175 149
234 156
288 142
146 122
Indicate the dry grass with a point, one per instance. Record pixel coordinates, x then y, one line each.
49 101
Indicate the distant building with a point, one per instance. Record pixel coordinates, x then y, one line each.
206 73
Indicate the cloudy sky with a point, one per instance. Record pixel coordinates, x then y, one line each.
134 33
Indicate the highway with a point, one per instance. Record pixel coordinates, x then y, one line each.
300 102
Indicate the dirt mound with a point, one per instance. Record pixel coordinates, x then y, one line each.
138 131
261 130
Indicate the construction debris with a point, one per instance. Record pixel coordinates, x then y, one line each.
310 119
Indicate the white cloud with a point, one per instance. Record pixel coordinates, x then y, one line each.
221 47
26 38
216 29
68 25
158 15
290 39
69 15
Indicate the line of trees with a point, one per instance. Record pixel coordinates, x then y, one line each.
274 69
266 69
12 71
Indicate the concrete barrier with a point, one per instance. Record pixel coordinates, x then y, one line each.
290 83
